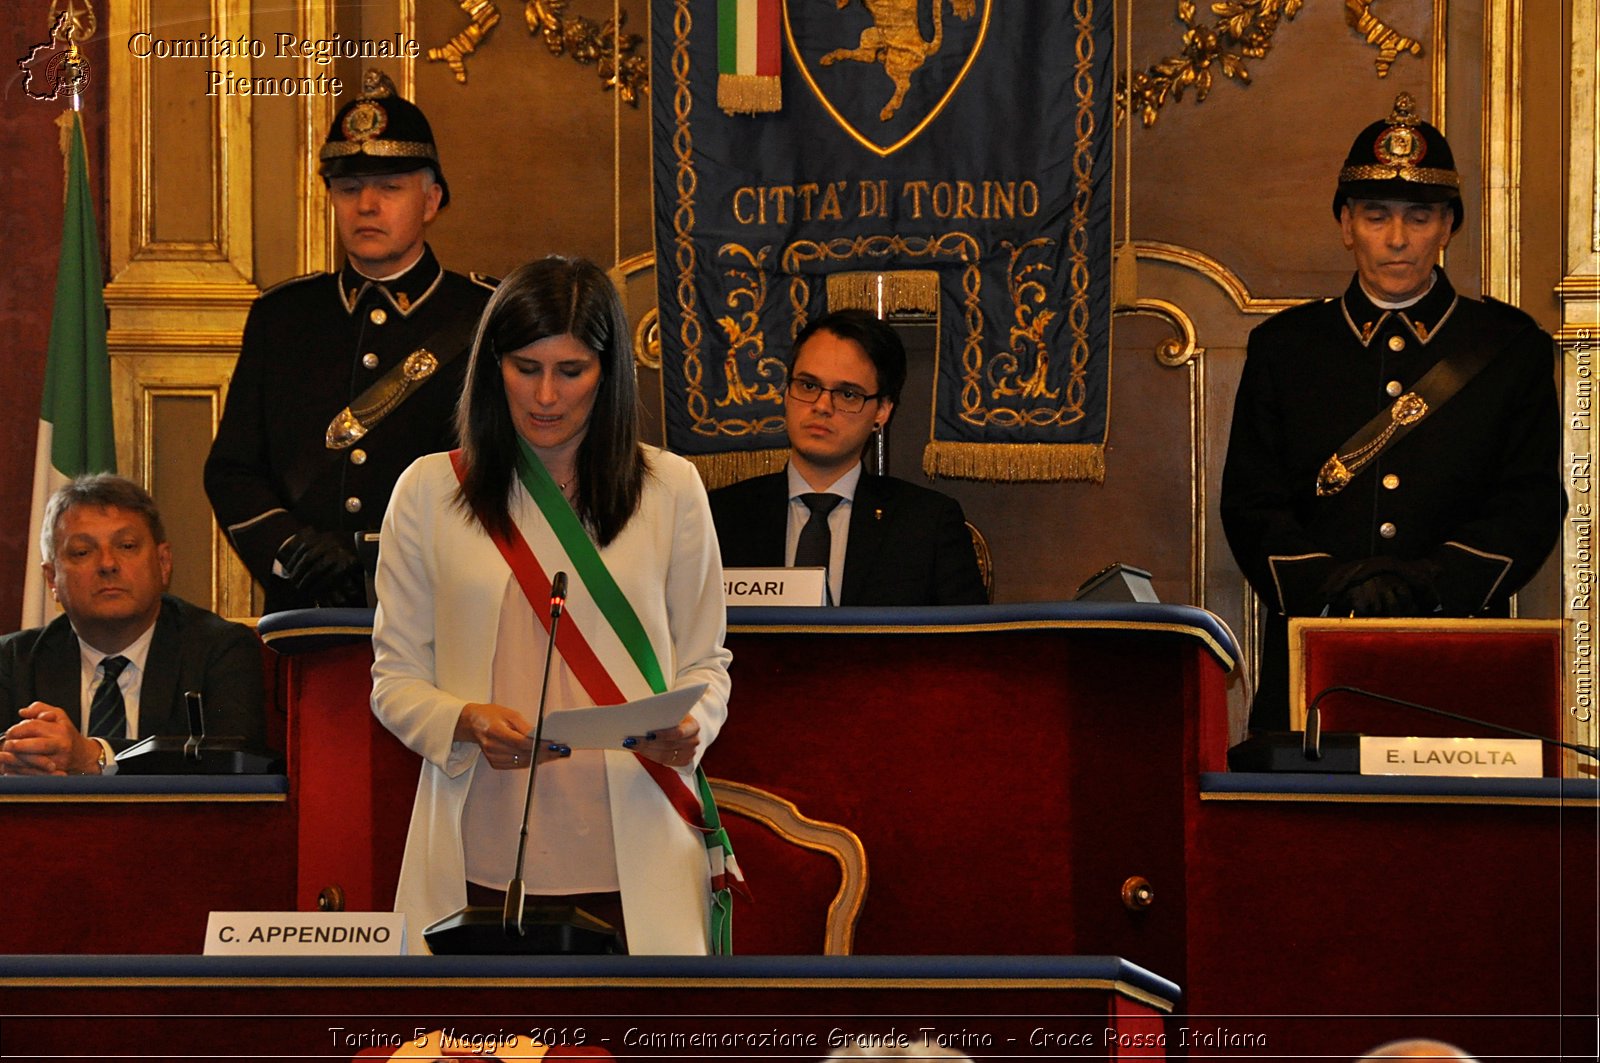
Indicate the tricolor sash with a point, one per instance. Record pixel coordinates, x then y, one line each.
629 670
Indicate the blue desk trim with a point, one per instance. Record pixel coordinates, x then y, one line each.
304 630
676 972
1294 786
144 788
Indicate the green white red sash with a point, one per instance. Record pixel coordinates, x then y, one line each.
609 653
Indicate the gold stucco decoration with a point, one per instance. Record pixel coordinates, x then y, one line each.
1242 29
1389 42
617 56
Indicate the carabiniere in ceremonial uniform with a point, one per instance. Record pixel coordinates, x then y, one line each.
1391 460
342 381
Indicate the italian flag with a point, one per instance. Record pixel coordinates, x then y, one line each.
748 51
75 434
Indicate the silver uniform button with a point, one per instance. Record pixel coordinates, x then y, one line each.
359 457
377 317
1390 480
369 359
1387 530
1396 343
353 505
1393 388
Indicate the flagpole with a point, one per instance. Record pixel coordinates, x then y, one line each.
76 425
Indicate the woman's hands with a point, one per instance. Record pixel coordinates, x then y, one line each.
503 736
673 747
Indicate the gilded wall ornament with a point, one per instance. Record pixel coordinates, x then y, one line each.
618 57
1243 29
1389 41
485 16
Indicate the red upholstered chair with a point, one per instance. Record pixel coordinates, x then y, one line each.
807 878
1504 671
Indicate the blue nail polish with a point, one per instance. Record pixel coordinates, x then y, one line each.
629 742
651 736
554 747
565 751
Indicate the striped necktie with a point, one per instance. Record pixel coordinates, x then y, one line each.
107 716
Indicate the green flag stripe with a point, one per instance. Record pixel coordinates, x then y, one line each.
77 385
614 605
728 36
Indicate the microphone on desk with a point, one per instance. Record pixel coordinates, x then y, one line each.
1312 744
196 753
516 893
515 929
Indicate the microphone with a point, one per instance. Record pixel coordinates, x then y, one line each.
516 893
518 929
1312 745
194 704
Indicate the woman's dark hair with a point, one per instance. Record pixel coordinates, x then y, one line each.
553 297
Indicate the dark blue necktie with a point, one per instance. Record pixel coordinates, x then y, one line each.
816 540
107 716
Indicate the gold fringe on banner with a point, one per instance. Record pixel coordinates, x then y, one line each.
885 293
720 470
749 93
1016 462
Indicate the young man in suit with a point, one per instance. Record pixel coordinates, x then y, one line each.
884 541
117 664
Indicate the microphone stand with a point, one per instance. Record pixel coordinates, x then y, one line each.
516 893
515 930
1312 744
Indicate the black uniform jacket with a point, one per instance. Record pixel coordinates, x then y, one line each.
193 649
1475 487
311 346
908 545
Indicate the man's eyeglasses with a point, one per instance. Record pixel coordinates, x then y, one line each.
845 400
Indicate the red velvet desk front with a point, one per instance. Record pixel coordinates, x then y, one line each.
1008 769
737 1008
1320 898
125 864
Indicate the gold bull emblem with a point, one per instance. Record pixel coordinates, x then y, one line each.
895 40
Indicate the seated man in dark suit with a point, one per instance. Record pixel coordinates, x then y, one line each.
883 541
116 666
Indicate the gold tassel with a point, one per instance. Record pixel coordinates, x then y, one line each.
749 94
720 470
912 290
1016 462
1124 277
64 129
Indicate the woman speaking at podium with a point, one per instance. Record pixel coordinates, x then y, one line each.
551 477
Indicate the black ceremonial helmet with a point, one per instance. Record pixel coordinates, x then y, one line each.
380 132
1401 158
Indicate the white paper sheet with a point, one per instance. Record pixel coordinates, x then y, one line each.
605 726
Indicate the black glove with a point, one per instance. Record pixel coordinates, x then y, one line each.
323 567
1382 586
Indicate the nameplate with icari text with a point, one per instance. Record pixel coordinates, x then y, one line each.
305 934
775 586
1475 758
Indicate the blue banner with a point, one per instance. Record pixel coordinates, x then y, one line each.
933 156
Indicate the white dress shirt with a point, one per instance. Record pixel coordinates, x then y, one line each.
838 523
